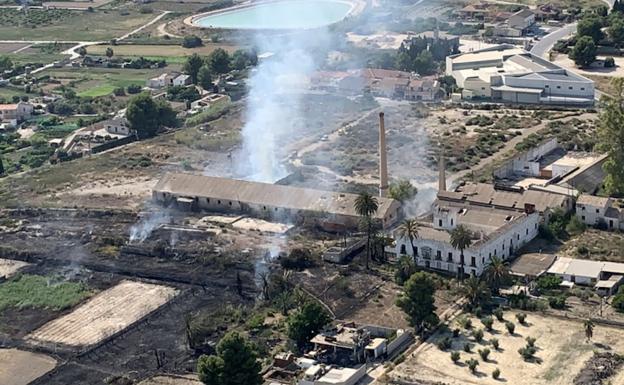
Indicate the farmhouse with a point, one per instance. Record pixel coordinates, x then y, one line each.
508 74
117 126
15 113
496 232
605 277
599 211
522 19
168 80
328 210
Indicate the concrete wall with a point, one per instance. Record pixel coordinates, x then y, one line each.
476 88
569 88
525 163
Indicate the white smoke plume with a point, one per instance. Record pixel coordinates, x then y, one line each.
142 230
275 101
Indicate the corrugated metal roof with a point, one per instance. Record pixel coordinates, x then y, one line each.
266 194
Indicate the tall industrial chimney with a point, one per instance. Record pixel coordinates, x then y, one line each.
383 162
442 167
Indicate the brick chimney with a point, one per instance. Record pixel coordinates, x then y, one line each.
383 162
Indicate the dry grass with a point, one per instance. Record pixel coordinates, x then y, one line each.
561 353
596 245
158 50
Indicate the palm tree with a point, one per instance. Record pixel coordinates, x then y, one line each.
589 329
476 291
366 206
408 229
496 273
461 239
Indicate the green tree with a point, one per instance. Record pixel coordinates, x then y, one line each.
405 268
408 229
109 52
476 292
590 26
588 325
306 322
402 190
241 59
424 64
82 51
147 116
461 239
5 63
611 137
192 41
192 66
616 31
366 206
219 61
618 300
584 51
204 78
575 226
236 363
417 301
496 273
1 167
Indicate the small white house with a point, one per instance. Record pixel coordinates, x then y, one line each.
181 80
596 211
117 126
522 19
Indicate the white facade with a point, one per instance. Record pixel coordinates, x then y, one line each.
117 126
181 80
509 74
432 248
522 19
595 211
16 112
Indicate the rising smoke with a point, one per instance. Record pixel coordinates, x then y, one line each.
276 89
140 231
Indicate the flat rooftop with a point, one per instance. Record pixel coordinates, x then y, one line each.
532 265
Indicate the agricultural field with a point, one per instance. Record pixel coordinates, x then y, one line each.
41 292
20 367
172 380
96 82
105 314
65 25
561 353
157 52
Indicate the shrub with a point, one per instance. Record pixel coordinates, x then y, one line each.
455 356
133 89
478 312
472 364
298 259
466 323
456 332
511 327
531 341
521 317
498 312
609 62
191 41
484 353
496 374
487 322
445 343
527 352
119 91
478 335
557 302
467 347
618 300
495 343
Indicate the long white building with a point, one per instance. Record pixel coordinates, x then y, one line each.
497 232
508 74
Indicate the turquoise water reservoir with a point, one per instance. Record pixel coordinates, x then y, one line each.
289 14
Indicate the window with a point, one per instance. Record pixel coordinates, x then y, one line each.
582 88
438 255
426 252
527 231
517 237
230 203
415 250
440 222
450 257
218 202
473 261
403 250
570 88
451 221
558 87
597 211
582 208
546 86
583 217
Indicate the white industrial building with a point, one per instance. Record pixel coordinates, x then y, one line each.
508 74
605 277
497 232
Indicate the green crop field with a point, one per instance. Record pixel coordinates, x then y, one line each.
101 90
35 291
65 25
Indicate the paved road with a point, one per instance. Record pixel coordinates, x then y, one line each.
542 47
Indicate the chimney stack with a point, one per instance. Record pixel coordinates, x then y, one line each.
383 162
442 170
